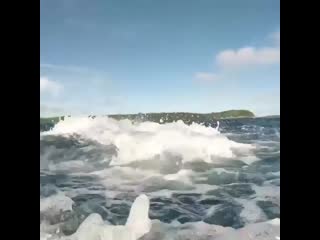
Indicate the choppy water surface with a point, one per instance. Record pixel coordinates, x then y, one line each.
201 182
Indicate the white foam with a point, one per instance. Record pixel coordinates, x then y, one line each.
256 231
267 192
56 203
45 236
48 231
138 224
201 230
146 140
123 179
71 166
275 221
276 174
183 175
251 213
222 170
90 229
212 210
138 220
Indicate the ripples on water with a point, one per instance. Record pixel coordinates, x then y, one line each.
199 181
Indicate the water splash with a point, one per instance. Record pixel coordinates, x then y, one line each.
148 140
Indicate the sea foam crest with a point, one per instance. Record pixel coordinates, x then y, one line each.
149 140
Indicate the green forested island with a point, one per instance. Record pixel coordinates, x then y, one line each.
188 118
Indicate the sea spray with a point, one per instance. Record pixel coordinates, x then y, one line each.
148 140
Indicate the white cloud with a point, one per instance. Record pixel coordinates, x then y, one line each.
206 77
248 56
243 58
50 87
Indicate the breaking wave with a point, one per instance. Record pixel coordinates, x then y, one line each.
107 179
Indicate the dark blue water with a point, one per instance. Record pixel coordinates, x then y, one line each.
230 193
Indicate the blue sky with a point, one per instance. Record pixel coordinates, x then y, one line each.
129 56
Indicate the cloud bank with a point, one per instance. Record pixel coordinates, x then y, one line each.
243 58
49 87
248 56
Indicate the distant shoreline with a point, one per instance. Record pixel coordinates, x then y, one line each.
188 118
229 114
224 115
269 116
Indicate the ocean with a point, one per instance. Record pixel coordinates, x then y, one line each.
198 181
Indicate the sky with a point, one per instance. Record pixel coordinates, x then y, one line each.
130 56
